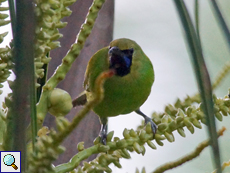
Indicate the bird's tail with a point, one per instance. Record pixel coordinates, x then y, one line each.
80 100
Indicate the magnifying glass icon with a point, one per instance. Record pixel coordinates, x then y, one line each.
9 160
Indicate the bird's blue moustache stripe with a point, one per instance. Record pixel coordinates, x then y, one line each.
127 61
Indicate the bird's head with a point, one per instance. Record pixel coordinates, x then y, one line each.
120 60
121 55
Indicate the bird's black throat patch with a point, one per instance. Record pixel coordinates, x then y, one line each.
120 60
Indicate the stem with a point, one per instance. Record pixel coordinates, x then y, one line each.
12 16
24 71
197 21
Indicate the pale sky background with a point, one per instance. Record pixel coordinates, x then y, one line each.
155 26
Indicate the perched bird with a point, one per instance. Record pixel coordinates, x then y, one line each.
127 90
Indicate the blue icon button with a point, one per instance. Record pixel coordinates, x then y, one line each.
9 160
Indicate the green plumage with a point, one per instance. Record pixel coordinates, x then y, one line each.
122 94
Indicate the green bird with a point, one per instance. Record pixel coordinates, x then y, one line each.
124 92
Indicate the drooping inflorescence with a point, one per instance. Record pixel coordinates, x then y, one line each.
48 20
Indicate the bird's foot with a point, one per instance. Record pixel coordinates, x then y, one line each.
153 125
103 136
148 120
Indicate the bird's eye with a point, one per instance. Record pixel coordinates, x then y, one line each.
128 51
131 50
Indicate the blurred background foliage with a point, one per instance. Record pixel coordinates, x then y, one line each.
156 27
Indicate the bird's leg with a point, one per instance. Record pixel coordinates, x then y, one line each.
147 119
103 131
